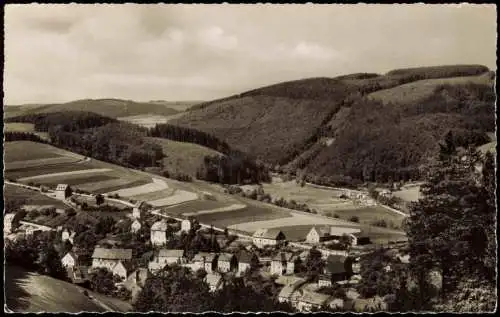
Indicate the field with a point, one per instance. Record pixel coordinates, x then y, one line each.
183 157
24 127
40 163
488 147
31 292
421 89
178 197
369 214
30 197
408 194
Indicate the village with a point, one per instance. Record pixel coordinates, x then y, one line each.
224 254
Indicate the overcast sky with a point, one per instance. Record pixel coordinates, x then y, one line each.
57 53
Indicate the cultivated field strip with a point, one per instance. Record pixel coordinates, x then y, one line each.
156 185
155 195
180 196
85 171
12 166
216 210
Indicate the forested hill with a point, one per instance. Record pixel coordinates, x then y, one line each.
362 126
114 108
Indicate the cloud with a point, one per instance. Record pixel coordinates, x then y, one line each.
57 53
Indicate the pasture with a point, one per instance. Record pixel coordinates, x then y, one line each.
145 120
30 197
421 89
24 127
27 151
408 194
369 214
182 157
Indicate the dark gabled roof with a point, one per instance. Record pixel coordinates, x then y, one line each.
225 257
272 233
171 253
112 254
207 255
245 256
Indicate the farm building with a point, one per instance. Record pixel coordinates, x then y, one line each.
70 260
245 260
226 262
159 233
32 228
273 237
206 261
135 226
282 263
135 282
291 293
63 191
207 196
352 233
109 258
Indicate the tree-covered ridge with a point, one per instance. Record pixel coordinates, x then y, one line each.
67 120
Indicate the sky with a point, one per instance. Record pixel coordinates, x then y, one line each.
59 53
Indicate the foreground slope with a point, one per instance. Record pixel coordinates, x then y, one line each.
303 120
31 292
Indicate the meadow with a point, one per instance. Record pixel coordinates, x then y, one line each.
24 127
30 197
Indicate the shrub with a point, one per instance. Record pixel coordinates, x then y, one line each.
380 223
354 219
336 216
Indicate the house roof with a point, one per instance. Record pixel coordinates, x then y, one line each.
171 253
335 264
62 186
127 265
271 233
288 279
213 279
289 289
9 217
207 255
139 204
245 256
338 231
143 275
159 226
72 254
225 256
112 254
321 230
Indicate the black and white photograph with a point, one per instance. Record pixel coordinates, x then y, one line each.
234 158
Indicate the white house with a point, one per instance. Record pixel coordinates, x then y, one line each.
70 260
226 262
68 235
136 281
109 258
206 261
122 269
338 232
280 264
185 225
272 237
159 233
324 281
318 234
135 226
214 281
136 211
245 260
63 191
165 257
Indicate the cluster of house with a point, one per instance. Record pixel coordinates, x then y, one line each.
358 196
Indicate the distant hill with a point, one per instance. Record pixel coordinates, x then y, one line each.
30 292
379 124
107 107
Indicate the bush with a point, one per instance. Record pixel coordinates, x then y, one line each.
354 219
336 216
380 223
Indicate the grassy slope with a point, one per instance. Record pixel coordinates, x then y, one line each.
183 157
31 292
29 196
273 121
107 107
